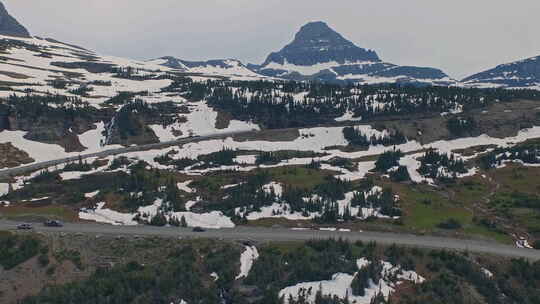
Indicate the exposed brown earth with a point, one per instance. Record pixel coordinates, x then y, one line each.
11 157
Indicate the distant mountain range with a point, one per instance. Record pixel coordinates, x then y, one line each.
218 67
318 52
518 74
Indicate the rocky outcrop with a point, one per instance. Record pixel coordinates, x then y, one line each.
9 26
11 157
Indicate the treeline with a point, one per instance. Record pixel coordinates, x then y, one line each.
54 108
277 105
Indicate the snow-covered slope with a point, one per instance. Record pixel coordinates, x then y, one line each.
222 67
35 63
519 74
46 67
318 52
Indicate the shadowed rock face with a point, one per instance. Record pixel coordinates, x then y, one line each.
316 43
320 53
9 26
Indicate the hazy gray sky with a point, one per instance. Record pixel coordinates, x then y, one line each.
460 36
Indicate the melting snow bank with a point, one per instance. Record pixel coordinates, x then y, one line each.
487 273
211 220
108 216
340 285
281 209
247 259
185 187
4 189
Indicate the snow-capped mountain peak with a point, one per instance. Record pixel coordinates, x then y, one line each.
316 43
320 53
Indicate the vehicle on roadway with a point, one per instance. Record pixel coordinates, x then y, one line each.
198 229
24 226
53 223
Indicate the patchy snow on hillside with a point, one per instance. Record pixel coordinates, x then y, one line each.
277 210
211 220
200 121
36 150
184 186
274 187
91 194
487 273
247 258
108 216
310 69
340 285
41 152
230 67
4 189
348 116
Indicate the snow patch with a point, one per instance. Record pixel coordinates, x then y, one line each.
248 257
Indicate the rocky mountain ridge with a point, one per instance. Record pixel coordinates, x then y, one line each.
518 74
9 26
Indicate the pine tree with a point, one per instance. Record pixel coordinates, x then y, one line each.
183 222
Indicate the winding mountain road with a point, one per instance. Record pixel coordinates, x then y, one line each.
283 235
6 173
252 233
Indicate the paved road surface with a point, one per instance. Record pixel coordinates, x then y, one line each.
281 234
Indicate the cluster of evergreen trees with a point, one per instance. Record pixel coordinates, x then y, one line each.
179 164
355 137
273 105
132 73
322 200
224 157
388 160
441 166
132 118
141 187
191 90
54 108
526 153
271 158
181 275
459 126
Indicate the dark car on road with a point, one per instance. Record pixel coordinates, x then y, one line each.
53 223
198 229
24 226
